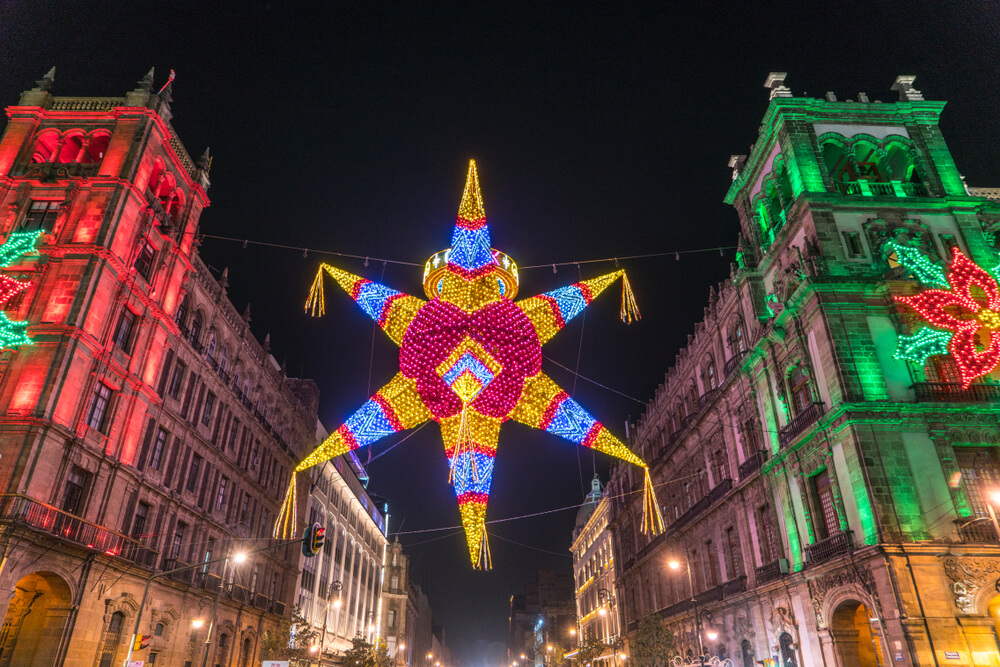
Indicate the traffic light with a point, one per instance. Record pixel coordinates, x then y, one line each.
141 642
312 541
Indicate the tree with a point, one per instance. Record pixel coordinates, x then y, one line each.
653 643
363 654
291 640
591 649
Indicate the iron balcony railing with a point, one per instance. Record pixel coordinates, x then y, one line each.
773 571
752 464
733 362
707 398
802 421
25 511
976 530
838 544
952 392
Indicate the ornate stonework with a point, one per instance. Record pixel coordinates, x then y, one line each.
819 589
968 575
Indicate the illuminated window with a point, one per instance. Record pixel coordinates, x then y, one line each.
123 330
980 475
711 378
45 147
144 261
41 215
99 407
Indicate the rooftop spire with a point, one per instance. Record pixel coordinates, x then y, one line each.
471 209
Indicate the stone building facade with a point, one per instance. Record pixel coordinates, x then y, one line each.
540 618
594 573
145 428
829 500
340 590
400 609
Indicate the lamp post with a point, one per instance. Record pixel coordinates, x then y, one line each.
606 597
676 565
334 586
239 557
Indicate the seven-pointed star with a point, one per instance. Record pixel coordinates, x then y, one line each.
470 359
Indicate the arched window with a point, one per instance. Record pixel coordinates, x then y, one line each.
210 350
166 190
182 313
223 358
798 383
246 387
711 377
96 148
175 205
45 147
737 341
158 630
194 333
236 377
111 639
245 653
71 148
152 186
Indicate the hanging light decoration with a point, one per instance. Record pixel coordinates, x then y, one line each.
470 359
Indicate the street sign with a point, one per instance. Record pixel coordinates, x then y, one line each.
275 663
136 663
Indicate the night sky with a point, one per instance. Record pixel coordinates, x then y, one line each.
598 132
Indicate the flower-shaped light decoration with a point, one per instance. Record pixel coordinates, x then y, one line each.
470 359
965 303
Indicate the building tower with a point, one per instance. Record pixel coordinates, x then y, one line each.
144 428
825 451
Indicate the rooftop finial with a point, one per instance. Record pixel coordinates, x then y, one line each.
907 93
776 82
146 82
45 83
205 161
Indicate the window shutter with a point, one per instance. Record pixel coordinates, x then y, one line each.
140 462
166 373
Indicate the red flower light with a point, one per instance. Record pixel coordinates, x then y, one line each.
972 318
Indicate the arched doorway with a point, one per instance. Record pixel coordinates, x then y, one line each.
746 651
32 630
787 645
856 636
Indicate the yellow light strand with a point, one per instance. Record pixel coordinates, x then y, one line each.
315 302
652 518
630 309
485 559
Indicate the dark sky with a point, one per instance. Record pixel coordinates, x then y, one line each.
598 132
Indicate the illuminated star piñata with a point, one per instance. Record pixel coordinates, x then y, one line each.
14 334
470 358
965 303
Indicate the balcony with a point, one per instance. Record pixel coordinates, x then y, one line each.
707 398
773 571
952 392
703 504
838 544
21 510
802 421
882 189
752 464
976 530
734 362
734 586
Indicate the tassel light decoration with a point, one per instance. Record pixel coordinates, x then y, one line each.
652 518
630 309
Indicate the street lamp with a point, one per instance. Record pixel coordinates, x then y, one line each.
712 635
197 623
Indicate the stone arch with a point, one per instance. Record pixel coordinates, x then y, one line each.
855 636
39 609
